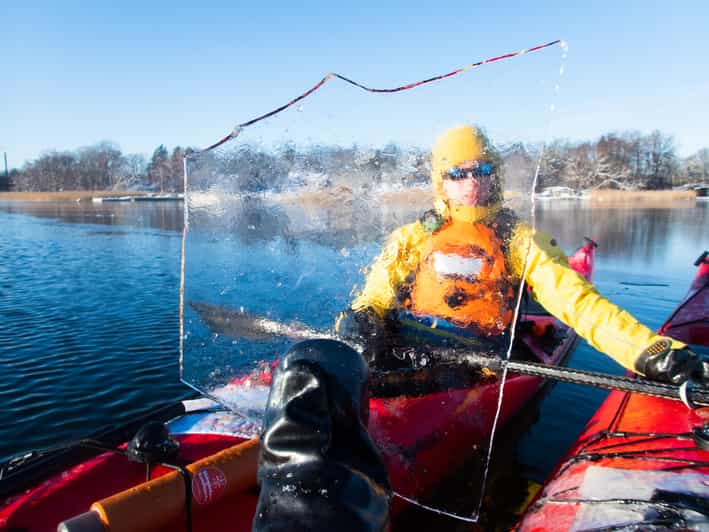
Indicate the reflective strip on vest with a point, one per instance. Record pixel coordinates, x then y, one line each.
451 265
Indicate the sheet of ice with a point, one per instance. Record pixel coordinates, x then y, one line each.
225 423
611 483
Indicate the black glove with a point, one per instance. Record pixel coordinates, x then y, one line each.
360 325
318 467
662 363
367 328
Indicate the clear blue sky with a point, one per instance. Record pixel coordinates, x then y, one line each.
145 73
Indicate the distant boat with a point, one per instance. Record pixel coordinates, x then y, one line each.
102 199
701 189
160 197
558 193
147 197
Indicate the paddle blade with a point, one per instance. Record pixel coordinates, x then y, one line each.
236 324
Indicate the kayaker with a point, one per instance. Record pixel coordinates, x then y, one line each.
462 262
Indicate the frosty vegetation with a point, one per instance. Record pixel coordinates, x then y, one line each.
100 167
628 160
621 160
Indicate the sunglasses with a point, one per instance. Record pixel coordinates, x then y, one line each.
481 170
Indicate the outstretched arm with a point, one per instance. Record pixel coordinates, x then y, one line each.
577 303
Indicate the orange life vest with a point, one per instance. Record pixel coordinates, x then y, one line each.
463 277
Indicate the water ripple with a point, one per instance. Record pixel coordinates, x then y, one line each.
90 328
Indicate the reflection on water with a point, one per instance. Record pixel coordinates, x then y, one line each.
637 238
89 313
159 215
89 318
634 238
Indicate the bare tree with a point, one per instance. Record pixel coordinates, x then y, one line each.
663 160
98 166
696 166
132 172
582 166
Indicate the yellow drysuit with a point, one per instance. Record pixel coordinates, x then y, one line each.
559 289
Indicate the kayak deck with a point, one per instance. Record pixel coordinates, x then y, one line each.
73 491
635 464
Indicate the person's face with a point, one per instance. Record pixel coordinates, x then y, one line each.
470 186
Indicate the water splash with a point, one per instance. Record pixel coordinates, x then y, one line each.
533 224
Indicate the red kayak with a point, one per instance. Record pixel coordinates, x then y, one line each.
690 322
641 463
423 437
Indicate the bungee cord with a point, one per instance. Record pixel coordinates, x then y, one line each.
333 75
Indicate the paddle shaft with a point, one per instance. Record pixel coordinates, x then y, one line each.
235 323
698 396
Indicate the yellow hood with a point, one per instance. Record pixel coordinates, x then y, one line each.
457 145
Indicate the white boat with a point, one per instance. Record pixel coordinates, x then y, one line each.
160 197
558 193
102 199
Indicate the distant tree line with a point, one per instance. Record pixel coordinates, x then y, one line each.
620 160
101 167
617 160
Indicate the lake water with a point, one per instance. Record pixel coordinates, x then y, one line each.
90 325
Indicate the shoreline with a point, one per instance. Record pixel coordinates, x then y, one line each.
643 196
68 195
414 194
